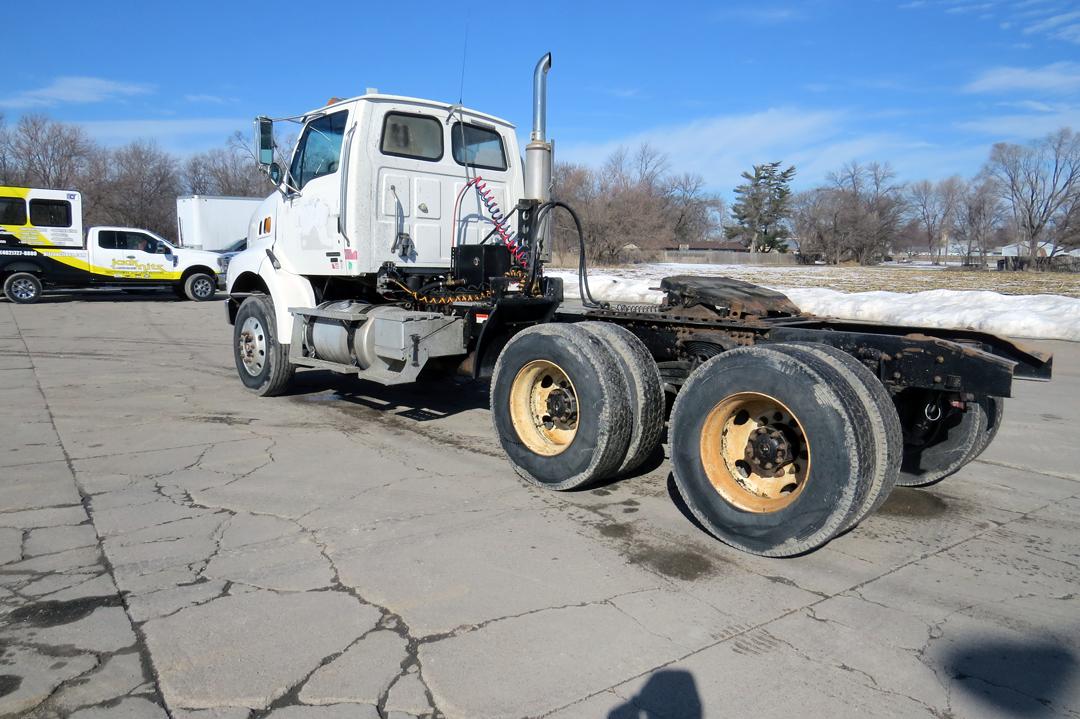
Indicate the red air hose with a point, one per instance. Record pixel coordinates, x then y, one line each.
497 218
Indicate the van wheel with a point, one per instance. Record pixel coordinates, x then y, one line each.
560 407
645 391
769 451
261 361
200 287
23 288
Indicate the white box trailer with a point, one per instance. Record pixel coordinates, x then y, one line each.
213 222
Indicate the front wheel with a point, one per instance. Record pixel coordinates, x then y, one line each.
261 360
200 287
23 288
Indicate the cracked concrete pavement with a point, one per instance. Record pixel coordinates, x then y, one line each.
172 546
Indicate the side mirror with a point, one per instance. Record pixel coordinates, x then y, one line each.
264 141
275 173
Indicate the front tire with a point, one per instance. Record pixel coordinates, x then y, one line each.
769 451
200 287
23 288
559 406
261 360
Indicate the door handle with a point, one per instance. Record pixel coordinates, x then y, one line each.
131 257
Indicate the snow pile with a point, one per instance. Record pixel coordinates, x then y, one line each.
1050 317
1031 316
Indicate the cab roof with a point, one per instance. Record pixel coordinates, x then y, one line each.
420 102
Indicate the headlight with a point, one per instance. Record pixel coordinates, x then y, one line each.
223 264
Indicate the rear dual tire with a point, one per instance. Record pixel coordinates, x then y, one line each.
957 439
745 396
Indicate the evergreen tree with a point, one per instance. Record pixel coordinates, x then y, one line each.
762 208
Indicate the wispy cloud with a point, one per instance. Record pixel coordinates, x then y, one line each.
768 15
173 134
719 148
73 90
209 99
1064 26
1058 78
1040 121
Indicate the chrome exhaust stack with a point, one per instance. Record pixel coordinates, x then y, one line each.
538 151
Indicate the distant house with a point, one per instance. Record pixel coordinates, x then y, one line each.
1021 249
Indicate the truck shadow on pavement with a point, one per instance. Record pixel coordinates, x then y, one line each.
669 693
422 401
1020 679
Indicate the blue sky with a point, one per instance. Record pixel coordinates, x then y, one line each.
927 85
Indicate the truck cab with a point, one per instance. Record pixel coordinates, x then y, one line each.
374 180
42 245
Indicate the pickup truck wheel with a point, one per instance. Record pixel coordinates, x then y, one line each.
882 417
560 407
644 390
23 288
768 450
939 439
200 287
261 361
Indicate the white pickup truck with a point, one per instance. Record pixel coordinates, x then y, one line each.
42 245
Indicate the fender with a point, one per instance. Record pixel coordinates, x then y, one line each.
22 266
285 288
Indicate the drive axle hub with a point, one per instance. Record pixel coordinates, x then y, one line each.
768 449
562 406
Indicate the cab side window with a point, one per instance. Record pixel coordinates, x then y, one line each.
476 146
50 213
319 151
416 136
12 211
120 240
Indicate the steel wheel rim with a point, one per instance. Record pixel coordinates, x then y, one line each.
543 408
252 346
23 289
202 287
755 452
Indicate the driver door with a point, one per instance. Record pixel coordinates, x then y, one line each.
127 256
308 220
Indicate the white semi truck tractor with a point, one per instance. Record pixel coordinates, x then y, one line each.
407 237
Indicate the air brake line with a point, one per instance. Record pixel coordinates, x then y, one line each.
497 218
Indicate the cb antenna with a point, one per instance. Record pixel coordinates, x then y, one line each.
464 53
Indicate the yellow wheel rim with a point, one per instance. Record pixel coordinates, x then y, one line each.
544 408
755 452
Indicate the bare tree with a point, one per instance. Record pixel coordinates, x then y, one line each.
137 187
1039 181
979 215
226 171
934 206
631 200
871 209
48 153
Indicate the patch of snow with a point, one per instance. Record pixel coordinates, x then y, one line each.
1030 316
